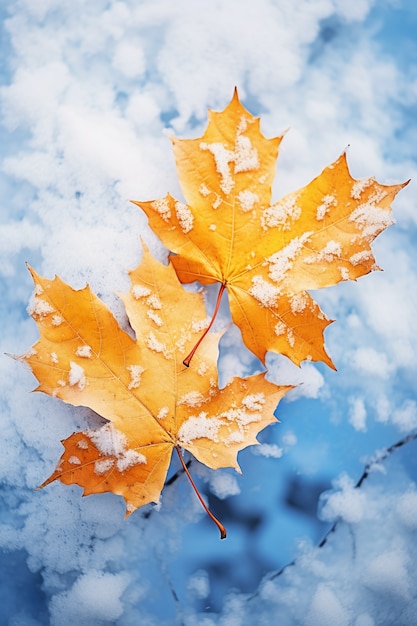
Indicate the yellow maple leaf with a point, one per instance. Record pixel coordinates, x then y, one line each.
267 255
153 404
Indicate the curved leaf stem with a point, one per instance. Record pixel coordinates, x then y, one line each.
188 358
209 513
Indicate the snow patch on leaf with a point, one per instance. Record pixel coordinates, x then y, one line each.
185 217
76 376
136 372
263 291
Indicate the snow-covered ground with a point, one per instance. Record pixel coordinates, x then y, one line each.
89 91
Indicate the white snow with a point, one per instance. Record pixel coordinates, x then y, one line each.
140 292
263 291
185 217
84 351
136 372
111 442
89 93
325 206
282 261
162 207
76 376
199 426
282 214
247 199
163 413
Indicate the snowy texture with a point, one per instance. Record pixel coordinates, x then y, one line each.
87 91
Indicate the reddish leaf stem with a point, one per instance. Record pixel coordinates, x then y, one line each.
188 358
209 513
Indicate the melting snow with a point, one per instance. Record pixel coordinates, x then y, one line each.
185 217
74 460
212 227
76 376
82 444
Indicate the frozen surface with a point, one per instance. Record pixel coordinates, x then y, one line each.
89 92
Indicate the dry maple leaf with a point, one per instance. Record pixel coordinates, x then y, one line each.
153 404
267 255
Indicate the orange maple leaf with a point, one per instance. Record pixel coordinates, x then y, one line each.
267 255
153 404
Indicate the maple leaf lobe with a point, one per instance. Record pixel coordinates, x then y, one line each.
267 255
151 402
